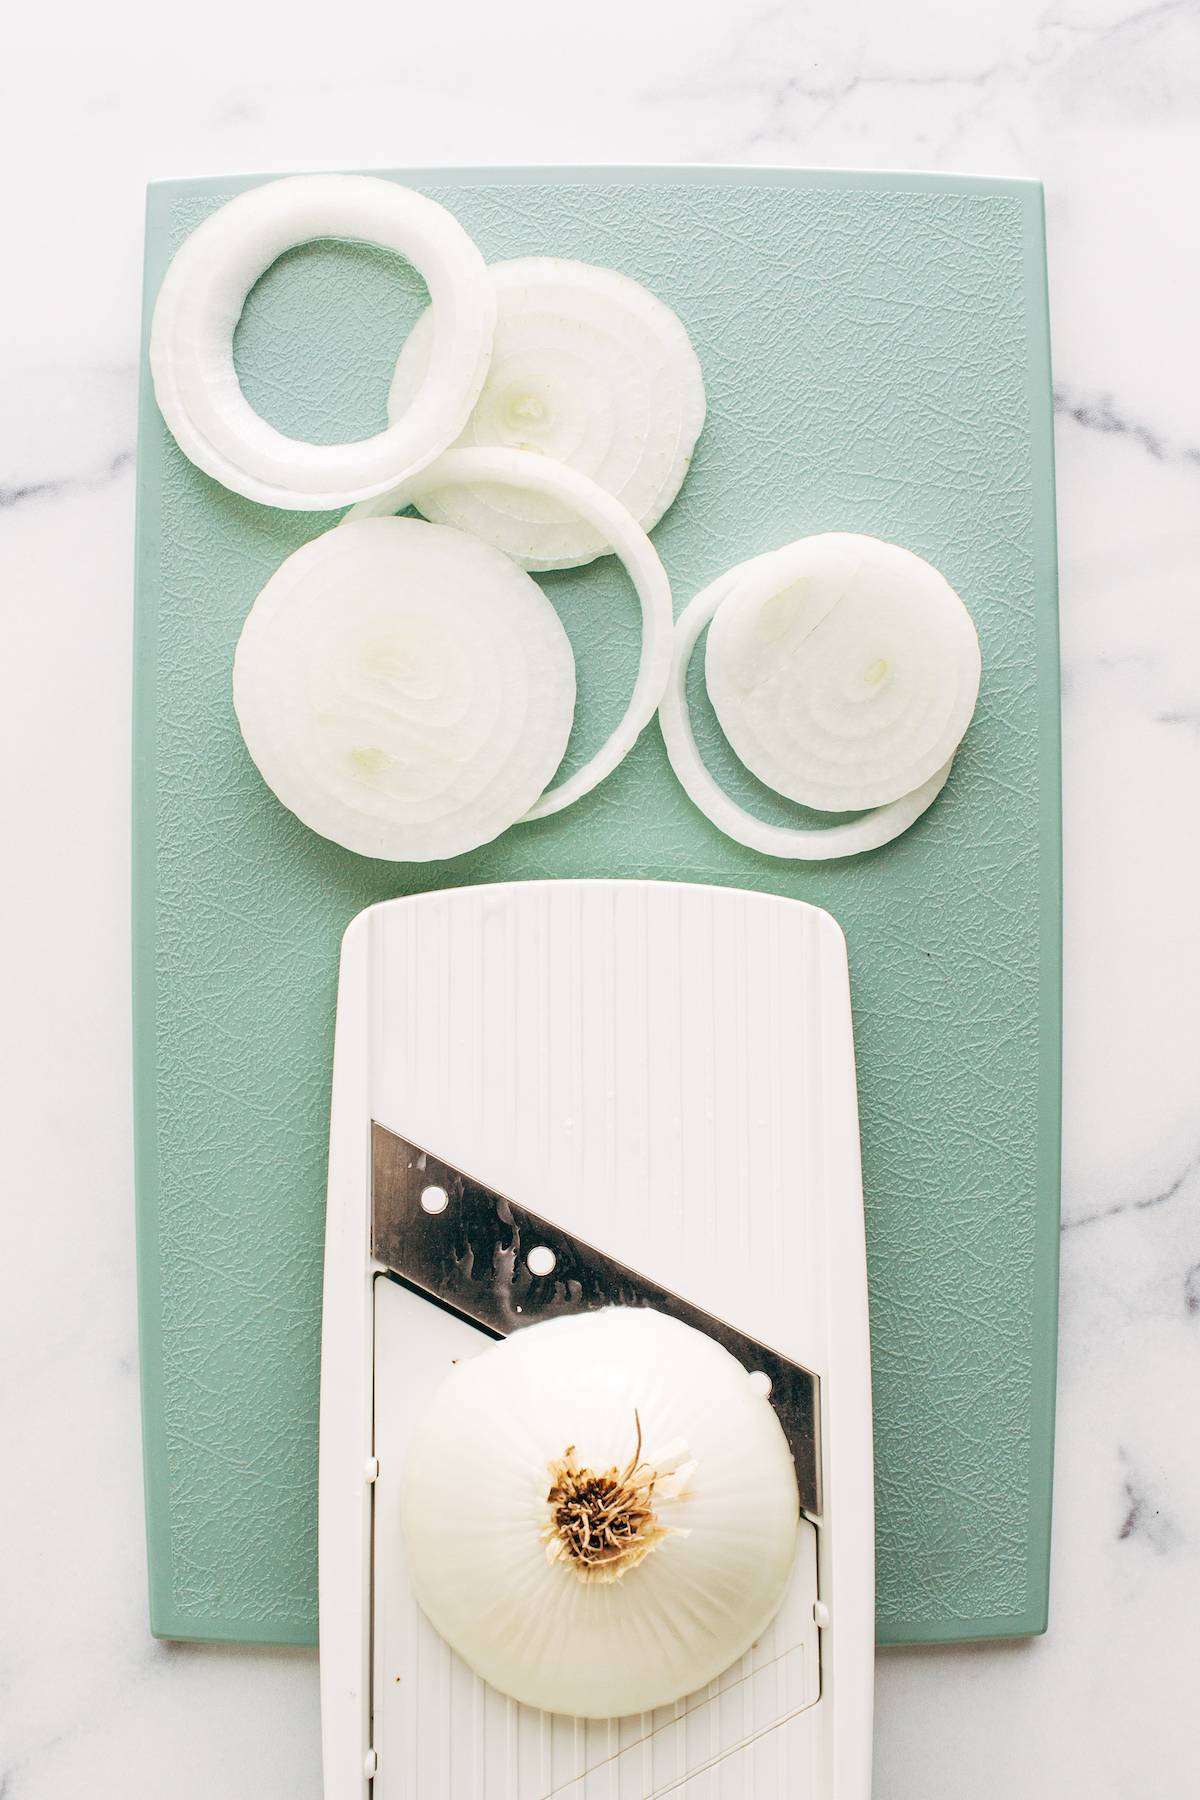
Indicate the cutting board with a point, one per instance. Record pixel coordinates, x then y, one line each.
875 352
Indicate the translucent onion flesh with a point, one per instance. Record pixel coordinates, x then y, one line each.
797 843
590 368
843 672
405 690
525 471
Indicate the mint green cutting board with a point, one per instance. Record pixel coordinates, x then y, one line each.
876 358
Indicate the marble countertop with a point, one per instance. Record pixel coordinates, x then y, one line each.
1100 98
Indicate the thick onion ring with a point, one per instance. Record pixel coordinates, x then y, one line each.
404 689
526 469
845 672
201 300
602 376
799 843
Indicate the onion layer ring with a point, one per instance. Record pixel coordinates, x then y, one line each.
201 300
590 368
798 843
844 672
539 474
405 690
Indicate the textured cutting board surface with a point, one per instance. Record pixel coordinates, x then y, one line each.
876 359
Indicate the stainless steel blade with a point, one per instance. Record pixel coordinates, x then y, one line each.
467 1247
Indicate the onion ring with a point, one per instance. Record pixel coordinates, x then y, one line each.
798 843
405 690
200 302
590 368
528 470
844 672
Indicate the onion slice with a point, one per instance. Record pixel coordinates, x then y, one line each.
600 1512
798 843
201 299
844 671
590 368
526 471
405 690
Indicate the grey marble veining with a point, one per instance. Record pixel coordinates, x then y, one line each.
63 486
1101 98
1098 412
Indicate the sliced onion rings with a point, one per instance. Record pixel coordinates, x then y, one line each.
405 690
844 672
201 300
539 474
590 368
798 843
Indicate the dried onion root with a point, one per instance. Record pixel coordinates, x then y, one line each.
601 1524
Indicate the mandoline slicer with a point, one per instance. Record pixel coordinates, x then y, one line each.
645 1091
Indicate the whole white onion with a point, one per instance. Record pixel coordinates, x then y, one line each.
600 1512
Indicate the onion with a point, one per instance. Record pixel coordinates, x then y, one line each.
201 299
600 1512
798 843
406 691
527 472
844 671
588 367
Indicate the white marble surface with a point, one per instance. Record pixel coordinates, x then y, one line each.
1099 97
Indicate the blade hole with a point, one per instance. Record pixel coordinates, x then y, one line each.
541 1260
760 1382
434 1199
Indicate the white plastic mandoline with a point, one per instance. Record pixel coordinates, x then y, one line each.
666 1072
